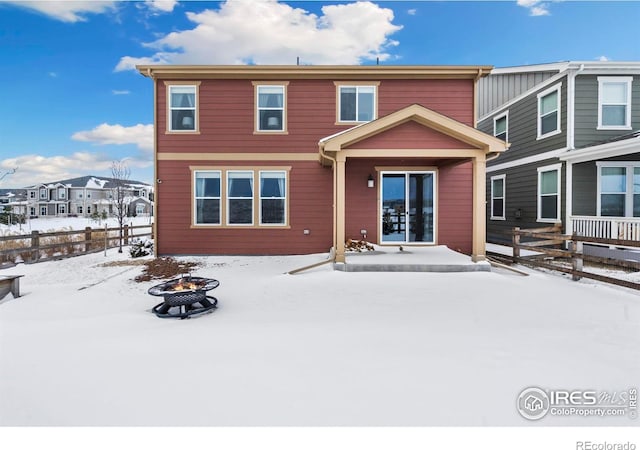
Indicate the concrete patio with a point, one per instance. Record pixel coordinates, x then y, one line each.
411 259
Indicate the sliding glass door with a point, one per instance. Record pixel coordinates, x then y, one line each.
408 207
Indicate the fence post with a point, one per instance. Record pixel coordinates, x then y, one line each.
87 239
35 246
126 235
576 259
516 244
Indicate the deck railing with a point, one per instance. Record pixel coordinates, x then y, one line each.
627 228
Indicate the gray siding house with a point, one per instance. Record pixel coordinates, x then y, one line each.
83 196
574 159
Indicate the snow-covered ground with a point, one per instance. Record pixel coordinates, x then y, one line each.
68 223
322 347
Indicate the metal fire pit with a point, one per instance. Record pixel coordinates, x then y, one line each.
184 297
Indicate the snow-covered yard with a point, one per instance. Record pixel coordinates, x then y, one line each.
323 347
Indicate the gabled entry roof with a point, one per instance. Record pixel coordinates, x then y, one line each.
423 116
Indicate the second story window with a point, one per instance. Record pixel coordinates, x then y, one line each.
43 194
549 112
271 103
357 103
61 193
183 108
614 103
500 126
32 194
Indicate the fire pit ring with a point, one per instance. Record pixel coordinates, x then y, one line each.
184 297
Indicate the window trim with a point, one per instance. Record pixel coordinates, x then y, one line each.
506 129
285 198
601 82
256 197
169 85
194 215
502 177
253 198
541 170
628 199
557 88
356 84
285 116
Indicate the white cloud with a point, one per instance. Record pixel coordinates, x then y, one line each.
53 74
269 32
66 11
35 168
412 12
105 134
603 58
120 92
162 5
535 7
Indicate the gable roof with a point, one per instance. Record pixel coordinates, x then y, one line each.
91 181
422 116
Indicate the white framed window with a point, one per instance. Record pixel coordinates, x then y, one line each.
182 103
79 209
207 197
240 197
32 211
618 188
32 194
88 194
501 126
357 102
61 193
273 197
549 112
62 209
88 209
140 209
614 103
271 108
43 210
549 201
498 197
43 194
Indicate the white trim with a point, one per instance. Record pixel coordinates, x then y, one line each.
357 87
196 198
502 177
556 88
533 90
527 160
283 108
629 167
569 198
504 115
550 168
601 82
228 199
608 150
171 108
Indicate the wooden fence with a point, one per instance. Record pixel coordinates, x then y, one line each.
557 258
39 246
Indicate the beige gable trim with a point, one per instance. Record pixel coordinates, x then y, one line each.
423 116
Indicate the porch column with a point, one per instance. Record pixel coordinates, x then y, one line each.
340 207
479 209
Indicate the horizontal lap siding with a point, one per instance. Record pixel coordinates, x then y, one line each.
587 111
455 207
409 135
310 206
521 192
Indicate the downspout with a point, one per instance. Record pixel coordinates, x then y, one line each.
571 136
335 191
156 181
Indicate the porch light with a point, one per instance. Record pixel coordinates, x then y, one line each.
370 181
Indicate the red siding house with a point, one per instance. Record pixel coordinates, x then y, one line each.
298 159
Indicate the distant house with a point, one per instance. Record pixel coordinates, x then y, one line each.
298 159
14 200
84 196
574 160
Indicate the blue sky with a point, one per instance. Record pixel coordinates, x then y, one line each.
71 103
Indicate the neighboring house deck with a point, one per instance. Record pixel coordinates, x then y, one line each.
84 196
298 159
574 157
